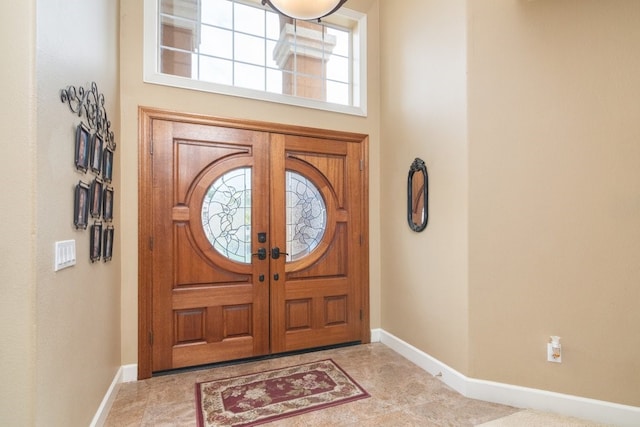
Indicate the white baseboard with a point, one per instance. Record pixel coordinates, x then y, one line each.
129 373
489 391
126 373
103 410
521 397
375 335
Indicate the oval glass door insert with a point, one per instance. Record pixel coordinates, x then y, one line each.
306 216
226 215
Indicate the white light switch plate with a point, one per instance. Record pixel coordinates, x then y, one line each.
65 254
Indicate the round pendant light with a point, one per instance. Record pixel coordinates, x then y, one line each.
305 9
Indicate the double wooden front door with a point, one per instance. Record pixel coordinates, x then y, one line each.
252 240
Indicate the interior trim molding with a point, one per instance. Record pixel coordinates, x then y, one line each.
110 396
129 373
125 374
507 394
489 391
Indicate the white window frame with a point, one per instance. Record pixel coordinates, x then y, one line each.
152 75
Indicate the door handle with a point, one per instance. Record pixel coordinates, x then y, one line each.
261 254
275 253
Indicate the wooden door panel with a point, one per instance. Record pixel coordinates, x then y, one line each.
194 157
214 296
332 262
200 353
199 325
189 325
320 319
189 260
199 305
208 308
326 296
333 167
317 300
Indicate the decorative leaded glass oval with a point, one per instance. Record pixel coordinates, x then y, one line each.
226 215
306 216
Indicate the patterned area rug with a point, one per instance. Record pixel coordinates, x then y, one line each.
249 400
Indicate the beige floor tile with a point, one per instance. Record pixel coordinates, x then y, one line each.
402 394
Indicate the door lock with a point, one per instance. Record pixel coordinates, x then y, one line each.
261 254
275 253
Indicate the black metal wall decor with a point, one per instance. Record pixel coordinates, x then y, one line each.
94 150
418 195
90 103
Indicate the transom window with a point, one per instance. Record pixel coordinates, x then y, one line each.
240 47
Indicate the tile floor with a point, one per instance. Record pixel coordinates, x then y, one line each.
402 394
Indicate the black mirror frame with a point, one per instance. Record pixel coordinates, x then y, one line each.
418 165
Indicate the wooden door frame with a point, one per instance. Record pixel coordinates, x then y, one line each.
146 116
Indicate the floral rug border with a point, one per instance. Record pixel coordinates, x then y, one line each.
257 398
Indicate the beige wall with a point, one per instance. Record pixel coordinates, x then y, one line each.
423 98
61 331
533 226
17 250
535 192
77 317
554 230
135 93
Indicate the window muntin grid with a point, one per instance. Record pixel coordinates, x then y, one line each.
234 42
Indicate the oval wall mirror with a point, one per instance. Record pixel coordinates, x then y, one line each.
418 195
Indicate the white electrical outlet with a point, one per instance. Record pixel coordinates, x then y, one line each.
65 254
554 353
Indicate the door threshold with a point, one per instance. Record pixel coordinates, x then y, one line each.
252 359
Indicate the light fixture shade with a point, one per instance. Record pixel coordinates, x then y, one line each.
305 9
